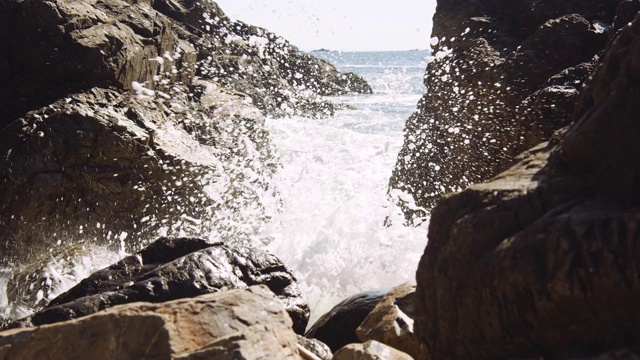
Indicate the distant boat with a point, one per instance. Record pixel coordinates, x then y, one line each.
321 50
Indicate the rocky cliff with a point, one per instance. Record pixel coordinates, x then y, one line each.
504 77
542 260
124 119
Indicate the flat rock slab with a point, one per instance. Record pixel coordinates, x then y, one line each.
236 324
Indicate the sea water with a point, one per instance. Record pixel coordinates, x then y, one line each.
339 230
337 227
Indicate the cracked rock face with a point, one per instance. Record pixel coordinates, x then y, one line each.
542 260
174 268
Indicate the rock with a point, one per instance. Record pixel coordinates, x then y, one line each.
60 47
542 261
32 286
355 83
503 79
370 350
391 321
314 346
337 328
173 268
235 324
139 119
119 170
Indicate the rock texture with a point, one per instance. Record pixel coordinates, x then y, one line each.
543 259
60 47
391 321
370 350
314 349
133 119
505 76
173 268
237 324
337 328
108 167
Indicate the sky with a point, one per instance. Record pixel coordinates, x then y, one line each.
347 25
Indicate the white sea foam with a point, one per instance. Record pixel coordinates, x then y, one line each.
331 230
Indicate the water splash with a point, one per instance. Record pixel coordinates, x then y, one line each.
333 182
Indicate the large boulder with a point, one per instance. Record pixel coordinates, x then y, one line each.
56 48
173 268
504 77
136 119
543 259
236 324
118 170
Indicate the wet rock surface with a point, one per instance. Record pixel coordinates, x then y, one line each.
237 324
504 77
173 268
337 328
142 118
111 167
542 261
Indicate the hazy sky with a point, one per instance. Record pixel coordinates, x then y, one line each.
340 24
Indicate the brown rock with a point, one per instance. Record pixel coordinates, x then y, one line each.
542 260
370 350
314 348
391 321
235 324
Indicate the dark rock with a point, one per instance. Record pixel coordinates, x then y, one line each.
354 83
337 328
174 268
118 117
504 78
105 165
55 48
542 260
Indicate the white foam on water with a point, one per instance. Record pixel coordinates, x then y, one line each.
334 185
331 230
